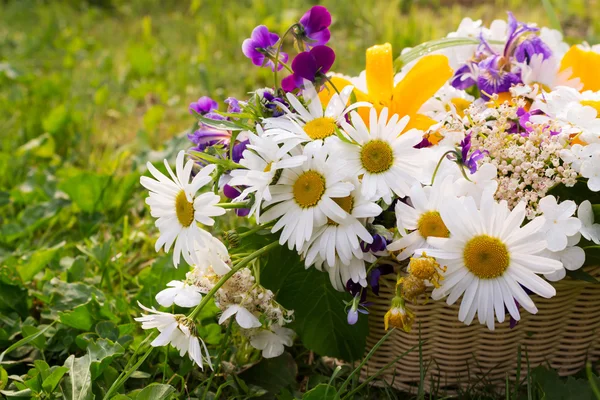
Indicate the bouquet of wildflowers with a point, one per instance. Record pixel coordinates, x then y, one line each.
470 164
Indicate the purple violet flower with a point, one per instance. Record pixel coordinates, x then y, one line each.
462 78
379 244
233 105
238 150
493 78
314 27
310 65
376 273
260 48
203 106
531 46
470 161
358 303
272 104
231 193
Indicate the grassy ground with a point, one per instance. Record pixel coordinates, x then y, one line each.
89 91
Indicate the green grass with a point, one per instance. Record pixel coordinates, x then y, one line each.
88 94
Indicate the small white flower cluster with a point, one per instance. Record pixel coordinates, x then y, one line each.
528 161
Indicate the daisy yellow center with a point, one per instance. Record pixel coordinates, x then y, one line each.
431 224
308 189
268 167
486 257
320 128
377 156
346 203
184 209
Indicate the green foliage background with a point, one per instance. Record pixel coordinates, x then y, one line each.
90 91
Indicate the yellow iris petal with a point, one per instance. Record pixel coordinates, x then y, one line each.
584 65
328 91
428 75
420 122
380 73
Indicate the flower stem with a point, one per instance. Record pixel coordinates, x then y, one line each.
232 205
437 167
240 264
276 61
252 231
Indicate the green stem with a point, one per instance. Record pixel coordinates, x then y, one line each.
437 167
252 231
227 164
276 61
229 206
241 264
219 356
331 83
130 370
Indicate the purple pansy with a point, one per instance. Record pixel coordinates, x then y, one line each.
260 48
531 46
206 136
238 150
231 193
273 104
379 244
310 65
463 78
203 106
314 27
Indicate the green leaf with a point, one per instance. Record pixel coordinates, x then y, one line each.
80 318
320 392
222 125
51 382
592 255
210 333
596 209
107 330
102 353
272 374
43 146
37 262
153 117
321 323
155 391
3 378
85 189
57 119
155 279
79 384
39 341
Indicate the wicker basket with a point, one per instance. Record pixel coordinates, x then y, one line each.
564 334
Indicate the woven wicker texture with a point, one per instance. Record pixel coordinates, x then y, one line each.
564 334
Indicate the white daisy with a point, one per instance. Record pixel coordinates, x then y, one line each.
447 99
243 317
342 239
178 208
311 123
383 155
490 258
560 222
271 341
302 199
572 258
482 181
340 273
546 73
263 159
212 253
177 330
179 293
423 218
589 229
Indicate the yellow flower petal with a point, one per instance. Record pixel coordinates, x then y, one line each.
422 81
380 73
420 122
584 65
328 91
592 103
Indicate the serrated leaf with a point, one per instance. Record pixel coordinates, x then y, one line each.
79 384
51 381
101 353
155 391
321 323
